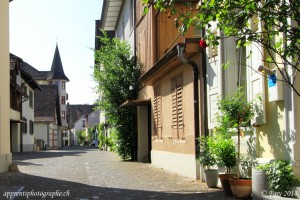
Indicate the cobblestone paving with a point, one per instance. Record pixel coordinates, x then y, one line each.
86 174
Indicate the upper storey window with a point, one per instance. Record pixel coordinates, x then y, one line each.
63 85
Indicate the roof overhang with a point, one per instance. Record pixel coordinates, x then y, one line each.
110 14
135 103
170 61
17 121
29 80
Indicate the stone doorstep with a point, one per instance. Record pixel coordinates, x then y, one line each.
5 189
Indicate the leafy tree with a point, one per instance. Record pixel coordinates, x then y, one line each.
279 35
81 137
101 135
116 74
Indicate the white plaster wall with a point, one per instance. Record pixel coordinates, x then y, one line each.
94 118
28 113
63 107
123 25
183 164
41 132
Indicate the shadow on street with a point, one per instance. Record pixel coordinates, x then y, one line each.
75 190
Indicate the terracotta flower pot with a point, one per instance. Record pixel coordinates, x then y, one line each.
224 178
241 188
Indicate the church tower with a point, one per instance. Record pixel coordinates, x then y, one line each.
57 77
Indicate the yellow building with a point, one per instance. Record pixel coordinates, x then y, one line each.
275 133
5 154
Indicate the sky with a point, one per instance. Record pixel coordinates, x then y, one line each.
36 26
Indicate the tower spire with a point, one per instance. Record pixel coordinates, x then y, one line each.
57 70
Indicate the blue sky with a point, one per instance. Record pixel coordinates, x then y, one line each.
37 25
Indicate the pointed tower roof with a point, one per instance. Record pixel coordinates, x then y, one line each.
57 70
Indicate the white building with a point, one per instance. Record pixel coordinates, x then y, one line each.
55 77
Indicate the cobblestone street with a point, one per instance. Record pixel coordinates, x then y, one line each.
86 173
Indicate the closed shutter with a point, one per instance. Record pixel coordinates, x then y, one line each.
177 107
256 82
214 82
157 113
230 58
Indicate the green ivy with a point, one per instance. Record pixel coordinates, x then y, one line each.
116 74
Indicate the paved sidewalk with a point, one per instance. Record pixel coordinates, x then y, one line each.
86 173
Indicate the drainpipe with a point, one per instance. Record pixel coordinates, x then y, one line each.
181 48
204 83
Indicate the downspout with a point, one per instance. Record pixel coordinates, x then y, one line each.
181 48
204 96
134 32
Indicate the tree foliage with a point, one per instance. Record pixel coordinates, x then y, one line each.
116 74
279 34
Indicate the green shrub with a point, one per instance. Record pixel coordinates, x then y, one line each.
280 174
207 156
81 137
226 152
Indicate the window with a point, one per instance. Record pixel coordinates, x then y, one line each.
31 127
157 113
63 100
24 125
63 85
63 114
83 123
177 106
30 99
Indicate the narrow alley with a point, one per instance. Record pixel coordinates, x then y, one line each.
87 173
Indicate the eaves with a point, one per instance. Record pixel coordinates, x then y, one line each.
110 14
170 61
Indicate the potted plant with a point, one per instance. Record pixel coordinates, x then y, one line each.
238 113
226 156
207 158
281 178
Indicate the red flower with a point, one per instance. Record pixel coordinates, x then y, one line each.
202 43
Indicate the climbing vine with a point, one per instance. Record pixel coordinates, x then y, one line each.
116 74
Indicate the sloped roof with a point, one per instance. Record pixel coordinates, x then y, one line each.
57 70
16 61
36 74
46 104
76 111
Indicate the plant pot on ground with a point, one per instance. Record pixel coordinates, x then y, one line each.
259 183
237 112
281 178
226 156
207 158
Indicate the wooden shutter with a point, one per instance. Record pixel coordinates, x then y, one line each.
256 82
157 113
231 73
177 107
214 83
